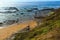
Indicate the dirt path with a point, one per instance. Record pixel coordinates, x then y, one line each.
6 32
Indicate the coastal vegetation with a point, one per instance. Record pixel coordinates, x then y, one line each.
48 30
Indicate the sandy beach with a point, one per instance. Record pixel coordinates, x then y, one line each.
9 30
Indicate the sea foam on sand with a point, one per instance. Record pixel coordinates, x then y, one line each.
2 27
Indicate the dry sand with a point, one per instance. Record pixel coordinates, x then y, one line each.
8 31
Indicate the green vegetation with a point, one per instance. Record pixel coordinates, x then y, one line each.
48 30
51 13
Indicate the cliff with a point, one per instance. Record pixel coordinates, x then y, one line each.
48 30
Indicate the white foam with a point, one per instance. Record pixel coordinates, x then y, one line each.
2 27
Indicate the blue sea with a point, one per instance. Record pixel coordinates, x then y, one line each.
23 6
47 4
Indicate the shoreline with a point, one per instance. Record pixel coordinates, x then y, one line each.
7 32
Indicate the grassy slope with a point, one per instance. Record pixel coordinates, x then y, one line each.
49 30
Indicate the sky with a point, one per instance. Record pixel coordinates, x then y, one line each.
9 2
25 0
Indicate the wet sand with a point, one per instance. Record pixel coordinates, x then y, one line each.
8 31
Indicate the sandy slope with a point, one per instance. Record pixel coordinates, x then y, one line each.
6 32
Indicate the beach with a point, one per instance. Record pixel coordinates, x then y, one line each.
9 30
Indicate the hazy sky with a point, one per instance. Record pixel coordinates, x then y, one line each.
25 0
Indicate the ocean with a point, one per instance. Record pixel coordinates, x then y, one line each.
23 6
48 4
